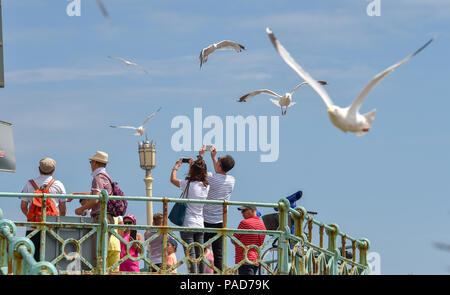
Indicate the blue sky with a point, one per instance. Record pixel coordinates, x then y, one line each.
390 185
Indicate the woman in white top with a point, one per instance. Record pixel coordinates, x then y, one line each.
198 189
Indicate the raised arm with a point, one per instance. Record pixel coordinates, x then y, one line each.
173 175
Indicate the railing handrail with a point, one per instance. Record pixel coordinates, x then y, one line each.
283 232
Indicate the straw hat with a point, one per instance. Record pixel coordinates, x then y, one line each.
47 165
101 157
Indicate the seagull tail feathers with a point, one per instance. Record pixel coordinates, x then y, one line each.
370 117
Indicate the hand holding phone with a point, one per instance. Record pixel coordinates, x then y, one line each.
133 234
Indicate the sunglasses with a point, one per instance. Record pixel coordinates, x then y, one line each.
128 222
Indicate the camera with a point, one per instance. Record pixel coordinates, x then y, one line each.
185 160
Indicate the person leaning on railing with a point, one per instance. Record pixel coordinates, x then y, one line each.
253 222
100 181
46 169
196 187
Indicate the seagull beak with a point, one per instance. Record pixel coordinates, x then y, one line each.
329 111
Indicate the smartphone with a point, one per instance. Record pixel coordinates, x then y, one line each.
133 233
185 160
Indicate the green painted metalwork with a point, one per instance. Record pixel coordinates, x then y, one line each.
295 253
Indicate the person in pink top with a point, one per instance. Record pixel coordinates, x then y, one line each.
210 257
129 236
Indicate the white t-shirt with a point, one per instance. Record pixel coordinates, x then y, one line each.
221 187
194 212
57 189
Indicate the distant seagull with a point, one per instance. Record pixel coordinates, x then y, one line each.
221 45
103 9
284 101
128 63
139 130
349 118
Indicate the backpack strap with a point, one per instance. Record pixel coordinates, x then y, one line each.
33 184
49 185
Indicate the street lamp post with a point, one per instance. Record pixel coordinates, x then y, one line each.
147 151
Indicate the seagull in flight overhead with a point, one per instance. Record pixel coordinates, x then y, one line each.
284 101
128 63
221 45
349 118
139 130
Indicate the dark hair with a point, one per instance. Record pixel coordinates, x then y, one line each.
226 163
198 171
157 219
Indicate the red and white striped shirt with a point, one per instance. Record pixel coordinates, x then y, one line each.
249 239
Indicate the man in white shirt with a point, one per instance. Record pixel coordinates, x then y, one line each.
221 186
46 169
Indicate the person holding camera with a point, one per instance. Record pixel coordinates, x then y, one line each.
194 186
221 186
129 236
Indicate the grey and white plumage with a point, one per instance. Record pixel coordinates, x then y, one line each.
349 118
139 130
222 45
128 63
283 100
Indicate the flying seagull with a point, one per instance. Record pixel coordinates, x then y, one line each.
225 44
128 63
139 130
284 101
349 118
103 9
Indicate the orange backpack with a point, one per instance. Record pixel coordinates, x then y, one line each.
35 212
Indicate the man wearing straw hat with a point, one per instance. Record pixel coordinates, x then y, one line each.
101 181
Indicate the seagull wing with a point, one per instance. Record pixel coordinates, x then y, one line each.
276 102
226 44
118 58
103 9
140 67
251 94
306 83
302 73
151 116
205 53
126 127
356 105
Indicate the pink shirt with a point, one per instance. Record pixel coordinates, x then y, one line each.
100 182
171 261
128 265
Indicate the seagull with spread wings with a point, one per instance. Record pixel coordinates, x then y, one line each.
349 118
226 44
139 130
284 101
128 63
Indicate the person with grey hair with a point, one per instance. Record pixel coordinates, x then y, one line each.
44 182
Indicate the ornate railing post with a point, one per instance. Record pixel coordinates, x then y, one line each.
102 234
283 242
332 243
363 249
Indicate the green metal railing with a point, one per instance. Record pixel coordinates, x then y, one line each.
294 253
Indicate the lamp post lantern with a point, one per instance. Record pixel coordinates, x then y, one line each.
147 151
